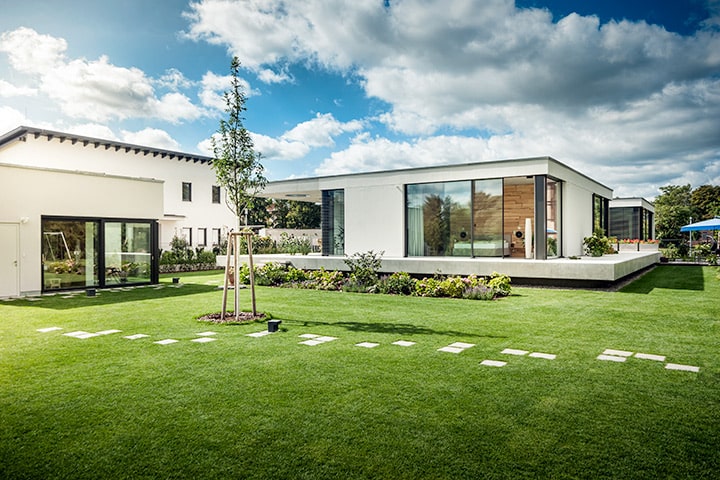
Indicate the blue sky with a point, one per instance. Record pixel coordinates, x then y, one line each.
626 92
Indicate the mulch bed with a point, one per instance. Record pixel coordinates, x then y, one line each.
243 317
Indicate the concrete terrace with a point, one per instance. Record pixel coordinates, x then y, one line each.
582 272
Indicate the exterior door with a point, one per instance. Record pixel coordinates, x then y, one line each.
9 266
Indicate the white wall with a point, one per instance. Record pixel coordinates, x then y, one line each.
201 212
374 219
28 193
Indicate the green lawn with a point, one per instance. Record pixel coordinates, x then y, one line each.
242 407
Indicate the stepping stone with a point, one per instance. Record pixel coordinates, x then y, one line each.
206 334
512 351
617 353
611 358
456 347
108 332
450 349
33 299
203 340
68 296
546 356
80 334
493 363
311 342
136 336
49 329
325 339
648 356
684 368
308 335
404 343
258 334
367 344
166 342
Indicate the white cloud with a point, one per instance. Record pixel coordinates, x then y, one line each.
30 52
151 137
213 87
279 148
320 131
95 90
10 119
7 89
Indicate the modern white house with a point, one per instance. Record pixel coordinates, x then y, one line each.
523 217
79 212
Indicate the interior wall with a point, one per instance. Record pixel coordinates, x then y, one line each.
519 204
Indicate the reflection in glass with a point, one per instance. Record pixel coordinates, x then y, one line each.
69 253
488 219
553 218
127 252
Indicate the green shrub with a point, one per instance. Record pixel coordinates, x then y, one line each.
398 283
479 292
325 280
452 287
500 283
293 245
364 267
598 244
429 287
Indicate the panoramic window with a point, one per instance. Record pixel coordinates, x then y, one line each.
187 192
439 219
600 213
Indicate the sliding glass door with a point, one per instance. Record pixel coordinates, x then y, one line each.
128 252
91 252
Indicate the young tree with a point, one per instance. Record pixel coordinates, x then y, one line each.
236 164
238 170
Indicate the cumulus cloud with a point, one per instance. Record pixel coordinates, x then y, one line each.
297 142
7 89
150 136
10 119
523 83
95 90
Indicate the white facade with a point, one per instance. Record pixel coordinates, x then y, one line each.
29 193
134 194
375 210
197 218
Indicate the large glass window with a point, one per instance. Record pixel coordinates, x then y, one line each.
69 253
128 252
553 218
81 253
600 213
487 206
439 219
333 222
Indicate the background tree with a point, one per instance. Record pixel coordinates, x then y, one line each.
236 164
673 209
706 201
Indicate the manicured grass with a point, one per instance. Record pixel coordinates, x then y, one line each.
242 407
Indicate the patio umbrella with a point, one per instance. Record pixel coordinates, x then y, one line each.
712 224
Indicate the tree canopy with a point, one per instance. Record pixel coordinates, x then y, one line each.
678 205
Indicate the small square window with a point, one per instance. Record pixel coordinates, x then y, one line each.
187 192
215 194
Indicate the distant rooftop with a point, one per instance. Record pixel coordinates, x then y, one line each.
21 133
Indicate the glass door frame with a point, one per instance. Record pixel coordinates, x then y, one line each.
101 247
